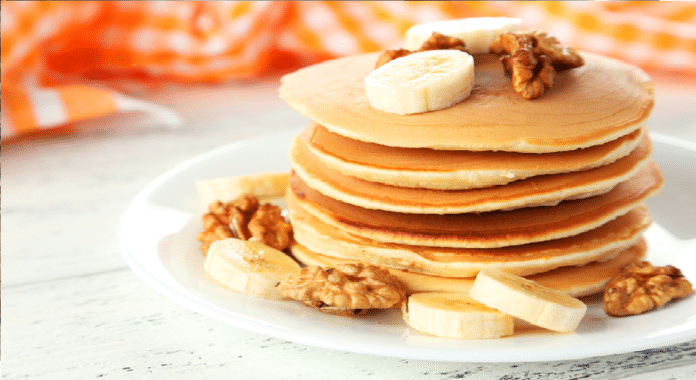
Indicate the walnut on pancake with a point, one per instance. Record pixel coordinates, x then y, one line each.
530 76
347 289
532 58
641 287
246 219
390 55
436 42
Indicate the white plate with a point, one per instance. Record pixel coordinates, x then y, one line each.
158 237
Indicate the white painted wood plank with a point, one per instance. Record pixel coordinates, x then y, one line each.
681 373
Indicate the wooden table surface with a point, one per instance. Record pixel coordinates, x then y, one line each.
72 309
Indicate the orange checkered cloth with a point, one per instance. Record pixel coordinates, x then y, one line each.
63 62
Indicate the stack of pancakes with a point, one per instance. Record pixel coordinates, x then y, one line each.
551 189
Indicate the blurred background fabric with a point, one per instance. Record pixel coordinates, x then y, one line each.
63 62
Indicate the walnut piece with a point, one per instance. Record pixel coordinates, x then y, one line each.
439 41
641 287
539 43
531 76
216 226
268 226
390 55
346 289
532 58
245 219
436 41
562 57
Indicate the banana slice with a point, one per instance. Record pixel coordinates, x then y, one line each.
249 267
456 315
527 300
421 82
264 186
476 32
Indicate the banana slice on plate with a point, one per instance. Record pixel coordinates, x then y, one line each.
421 82
476 32
455 315
527 300
264 186
249 267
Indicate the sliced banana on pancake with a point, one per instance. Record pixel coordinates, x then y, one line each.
421 82
456 315
528 300
476 32
249 267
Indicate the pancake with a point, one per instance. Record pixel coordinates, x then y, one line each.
452 170
596 103
541 190
574 281
485 230
599 244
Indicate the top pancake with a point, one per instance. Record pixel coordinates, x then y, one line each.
590 105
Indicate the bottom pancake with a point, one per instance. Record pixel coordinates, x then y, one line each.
574 281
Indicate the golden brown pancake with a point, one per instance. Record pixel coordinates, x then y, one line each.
576 281
453 170
485 230
599 244
596 103
541 190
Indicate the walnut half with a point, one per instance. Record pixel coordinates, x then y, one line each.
531 76
245 219
641 287
346 289
532 58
